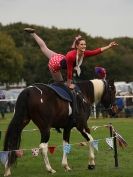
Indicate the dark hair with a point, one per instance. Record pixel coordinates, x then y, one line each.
77 41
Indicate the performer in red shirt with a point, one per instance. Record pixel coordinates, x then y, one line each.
71 61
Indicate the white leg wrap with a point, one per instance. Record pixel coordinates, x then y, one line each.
91 150
7 171
64 159
44 150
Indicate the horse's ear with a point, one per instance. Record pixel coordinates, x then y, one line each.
111 81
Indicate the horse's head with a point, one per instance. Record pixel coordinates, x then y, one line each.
108 98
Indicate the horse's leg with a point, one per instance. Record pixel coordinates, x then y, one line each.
86 134
45 135
66 136
7 170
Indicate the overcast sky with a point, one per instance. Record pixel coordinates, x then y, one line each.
106 18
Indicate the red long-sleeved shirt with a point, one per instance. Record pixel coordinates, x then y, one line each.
71 58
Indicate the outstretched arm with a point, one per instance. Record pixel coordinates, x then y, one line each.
112 44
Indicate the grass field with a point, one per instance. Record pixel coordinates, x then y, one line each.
29 166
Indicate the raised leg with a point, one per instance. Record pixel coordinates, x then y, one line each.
89 138
66 136
45 135
46 51
44 150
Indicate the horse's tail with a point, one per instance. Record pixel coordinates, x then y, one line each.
13 133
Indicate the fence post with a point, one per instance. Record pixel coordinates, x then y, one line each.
110 129
94 111
115 149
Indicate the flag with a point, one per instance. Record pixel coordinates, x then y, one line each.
35 152
109 141
95 144
120 140
19 153
67 148
51 149
4 157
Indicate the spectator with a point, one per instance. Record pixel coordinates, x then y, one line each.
2 103
120 104
100 72
129 105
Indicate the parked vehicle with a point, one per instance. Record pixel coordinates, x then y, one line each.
11 96
123 88
126 89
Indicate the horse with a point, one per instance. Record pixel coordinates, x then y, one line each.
47 110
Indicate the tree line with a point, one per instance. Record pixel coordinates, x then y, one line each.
20 56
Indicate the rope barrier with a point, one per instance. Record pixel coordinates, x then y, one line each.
111 141
4 100
124 96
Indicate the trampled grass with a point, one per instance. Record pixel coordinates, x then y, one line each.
29 166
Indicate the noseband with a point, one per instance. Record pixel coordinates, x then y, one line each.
108 90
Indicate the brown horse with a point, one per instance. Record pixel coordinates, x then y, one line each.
47 110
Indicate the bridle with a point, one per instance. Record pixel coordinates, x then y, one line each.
109 89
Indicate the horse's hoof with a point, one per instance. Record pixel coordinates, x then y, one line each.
91 167
52 171
68 169
7 172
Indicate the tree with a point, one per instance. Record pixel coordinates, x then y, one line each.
117 61
11 60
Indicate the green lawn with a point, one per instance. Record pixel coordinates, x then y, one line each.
29 166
